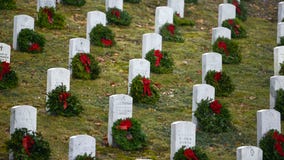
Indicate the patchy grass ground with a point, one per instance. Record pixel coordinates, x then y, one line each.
251 78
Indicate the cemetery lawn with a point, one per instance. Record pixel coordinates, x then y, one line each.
251 78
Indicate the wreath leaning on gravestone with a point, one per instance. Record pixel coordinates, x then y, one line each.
237 30
28 145
272 144
279 102
8 77
212 116
241 10
118 17
48 18
221 82
85 157
7 4
30 41
143 91
77 3
102 36
228 49
127 134
191 153
169 32
160 61
84 66
62 102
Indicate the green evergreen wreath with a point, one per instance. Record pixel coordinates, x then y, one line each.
169 32
84 66
237 30
191 153
30 41
48 18
77 3
160 61
7 4
281 71
132 1
85 157
281 41
241 10
141 95
118 17
212 116
27 145
102 36
128 135
191 1
272 144
61 102
182 21
228 49
8 77
221 82
279 102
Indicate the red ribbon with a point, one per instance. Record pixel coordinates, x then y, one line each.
84 58
216 107
34 47
146 87
27 143
177 14
223 45
49 14
189 154
4 69
217 76
171 29
106 42
279 138
63 99
238 9
125 124
116 13
158 54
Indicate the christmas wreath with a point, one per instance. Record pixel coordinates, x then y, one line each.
281 41
281 71
279 102
28 145
85 157
132 1
161 62
127 134
30 41
102 36
143 91
118 17
212 116
77 3
237 30
7 4
84 66
191 153
182 21
272 144
191 1
241 10
221 82
228 49
169 32
8 77
62 102
48 18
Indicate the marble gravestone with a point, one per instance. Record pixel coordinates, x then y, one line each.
45 3
249 153
21 22
5 52
280 32
77 45
114 4
151 41
226 11
280 11
177 6
94 18
81 144
276 83
163 15
220 32
278 53
211 61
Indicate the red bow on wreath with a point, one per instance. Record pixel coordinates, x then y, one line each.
217 76
216 107
189 154
84 58
49 15
34 47
279 138
4 69
27 143
63 99
222 45
158 56
146 87
116 13
238 9
125 124
106 42
171 29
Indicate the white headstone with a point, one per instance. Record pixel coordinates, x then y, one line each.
226 11
94 18
276 83
136 67
77 45
280 31
163 15
278 58
81 144
120 107
182 134
220 32
151 41
267 119
201 91
45 3
177 6
211 61
21 22
23 116
114 4
249 153
5 52
57 77
280 11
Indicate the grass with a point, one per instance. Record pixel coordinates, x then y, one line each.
251 78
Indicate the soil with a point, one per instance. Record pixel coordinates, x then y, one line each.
266 9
